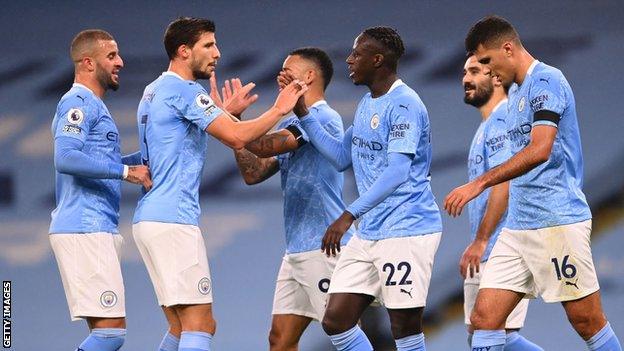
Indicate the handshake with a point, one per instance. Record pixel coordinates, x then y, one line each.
235 97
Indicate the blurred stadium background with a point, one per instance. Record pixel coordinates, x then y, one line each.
243 225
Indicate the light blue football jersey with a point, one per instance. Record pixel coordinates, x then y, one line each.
311 186
87 205
395 122
550 194
172 117
489 148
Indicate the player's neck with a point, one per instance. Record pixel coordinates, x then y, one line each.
486 110
181 69
312 96
524 62
382 84
91 83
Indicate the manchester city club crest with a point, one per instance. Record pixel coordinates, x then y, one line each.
108 299
75 116
375 121
521 104
204 286
203 101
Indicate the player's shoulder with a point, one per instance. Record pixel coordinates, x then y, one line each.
80 101
406 100
498 118
545 74
326 113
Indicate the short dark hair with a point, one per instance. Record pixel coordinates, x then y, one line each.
390 39
488 31
84 40
320 59
185 31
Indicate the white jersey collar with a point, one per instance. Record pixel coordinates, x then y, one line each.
318 103
501 103
532 67
397 83
78 85
173 74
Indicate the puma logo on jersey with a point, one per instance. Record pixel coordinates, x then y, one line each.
404 106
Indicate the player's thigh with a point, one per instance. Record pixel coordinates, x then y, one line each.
404 266
560 260
91 274
286 330
492 308
344 310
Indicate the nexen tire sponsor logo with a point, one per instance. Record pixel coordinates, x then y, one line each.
366 144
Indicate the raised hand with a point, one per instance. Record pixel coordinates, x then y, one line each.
331 240
140 175
236 97
288 97
283 79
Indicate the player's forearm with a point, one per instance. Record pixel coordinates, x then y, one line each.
69 159
247 131
494 211
390 179
273 144
521 163
133 159
253 169
336 151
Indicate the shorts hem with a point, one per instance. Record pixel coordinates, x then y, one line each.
84 316
350 291
569 297
528 294
185 302
404 306
296 312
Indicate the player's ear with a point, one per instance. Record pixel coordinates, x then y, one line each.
310 76
88 63
508 48
378 60
184 51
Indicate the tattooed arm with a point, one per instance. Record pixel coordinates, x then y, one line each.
276 143
253 168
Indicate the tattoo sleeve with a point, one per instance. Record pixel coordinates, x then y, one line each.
273 144
253 168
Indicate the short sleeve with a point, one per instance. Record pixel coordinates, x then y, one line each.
293 122
547 95
404 128
197 106
75 118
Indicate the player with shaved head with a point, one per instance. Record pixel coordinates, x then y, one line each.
89 169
